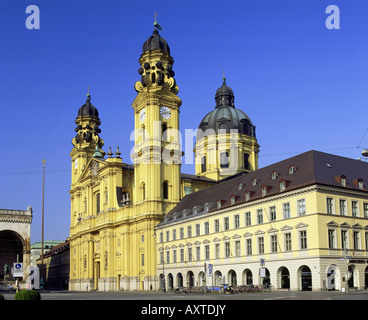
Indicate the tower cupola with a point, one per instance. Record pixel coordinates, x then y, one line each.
87 128
226 141
156 42
224 96
156 64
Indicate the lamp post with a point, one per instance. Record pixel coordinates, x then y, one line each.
42 280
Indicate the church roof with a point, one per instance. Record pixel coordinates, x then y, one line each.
155 42
88 109
225 115
309 168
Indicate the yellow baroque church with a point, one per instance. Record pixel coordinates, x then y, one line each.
115 206
299 224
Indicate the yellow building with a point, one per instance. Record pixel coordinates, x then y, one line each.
299 224
115 206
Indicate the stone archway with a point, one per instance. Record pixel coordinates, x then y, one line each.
170 281
162 282
305 278
333 278
231 278
201 279
284 278
11 250
179 280
190 279
217 281
15 240
247 277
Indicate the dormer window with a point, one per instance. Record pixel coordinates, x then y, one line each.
232 200
292 169
361 184
197 209
254 181
240 186
274 175
247 195
218 204
264 191
282 185
343 181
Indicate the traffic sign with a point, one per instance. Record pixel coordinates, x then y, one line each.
209 269
18 269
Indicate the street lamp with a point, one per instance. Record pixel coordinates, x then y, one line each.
42 281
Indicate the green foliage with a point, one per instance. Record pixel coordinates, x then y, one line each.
27 295
2 297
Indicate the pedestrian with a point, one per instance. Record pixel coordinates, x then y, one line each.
11 288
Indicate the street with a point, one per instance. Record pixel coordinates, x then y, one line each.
159 305
139 295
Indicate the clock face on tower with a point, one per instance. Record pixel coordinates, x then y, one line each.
165 112
142 114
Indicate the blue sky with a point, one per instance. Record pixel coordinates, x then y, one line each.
302 85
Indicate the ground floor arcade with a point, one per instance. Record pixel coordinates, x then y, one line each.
299 275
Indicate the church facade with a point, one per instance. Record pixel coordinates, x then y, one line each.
115 206
299 224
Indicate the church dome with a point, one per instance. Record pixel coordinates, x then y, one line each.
226 116
155 42
88 109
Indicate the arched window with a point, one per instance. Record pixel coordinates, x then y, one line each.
274 175
164 133
203 164
292 169
98 208
224 160
165 190
246 161
143 186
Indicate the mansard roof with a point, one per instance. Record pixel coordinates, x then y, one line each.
309 168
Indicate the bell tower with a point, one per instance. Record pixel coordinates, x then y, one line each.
157 149
87 139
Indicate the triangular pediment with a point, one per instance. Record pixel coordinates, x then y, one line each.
286 228
272 230
93 167
247 234
357 226
301 225
345 225
332 224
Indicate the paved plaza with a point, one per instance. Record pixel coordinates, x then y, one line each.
140 295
